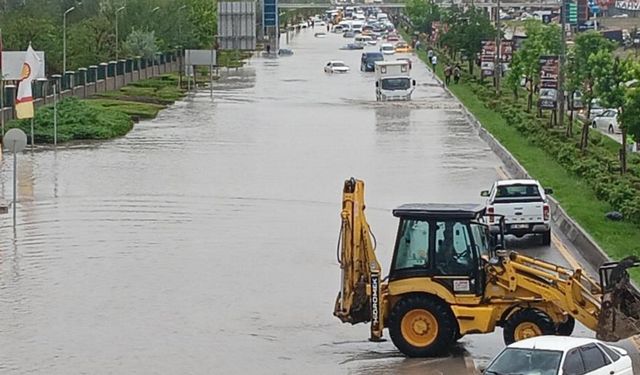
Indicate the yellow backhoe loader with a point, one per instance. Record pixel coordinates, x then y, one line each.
449 277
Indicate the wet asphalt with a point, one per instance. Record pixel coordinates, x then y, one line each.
204 241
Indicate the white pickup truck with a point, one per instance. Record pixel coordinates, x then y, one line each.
523 203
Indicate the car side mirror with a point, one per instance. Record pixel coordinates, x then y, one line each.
377 84
414 82
484 193
548 191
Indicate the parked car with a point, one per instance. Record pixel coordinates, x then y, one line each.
352 46
403 47
523 203
368 61
285 52
320 35
387 49
597 109
561 355
336 66
608 121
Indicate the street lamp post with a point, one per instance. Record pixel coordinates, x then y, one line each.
64 39
117 11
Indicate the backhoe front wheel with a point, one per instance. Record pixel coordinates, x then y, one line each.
527 323
421 326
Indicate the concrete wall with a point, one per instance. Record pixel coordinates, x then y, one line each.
112 83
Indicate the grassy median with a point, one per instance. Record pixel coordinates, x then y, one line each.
618 239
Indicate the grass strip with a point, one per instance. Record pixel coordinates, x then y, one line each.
617 239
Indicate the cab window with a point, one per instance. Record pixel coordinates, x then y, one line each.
453 248
413 245
481 239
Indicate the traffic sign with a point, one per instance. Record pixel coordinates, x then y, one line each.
15 140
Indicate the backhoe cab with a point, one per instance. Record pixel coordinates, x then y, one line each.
447 280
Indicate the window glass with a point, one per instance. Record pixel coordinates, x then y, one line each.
481 239
517 191
610 352
453 248
593 357
413 246
526 361
573 363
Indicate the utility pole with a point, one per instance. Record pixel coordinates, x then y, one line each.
563 46
498 63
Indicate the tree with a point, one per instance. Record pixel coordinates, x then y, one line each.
422 13
610 77
586 44
141 43
541 40
467 30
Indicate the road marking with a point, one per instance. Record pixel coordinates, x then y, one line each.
566 254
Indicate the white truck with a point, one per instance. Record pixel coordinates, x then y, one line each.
524 205
393 81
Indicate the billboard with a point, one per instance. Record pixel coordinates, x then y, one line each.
487 58
12 64
205 57
628 5
270 13
237 25
549 71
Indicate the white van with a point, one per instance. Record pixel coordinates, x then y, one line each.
382 17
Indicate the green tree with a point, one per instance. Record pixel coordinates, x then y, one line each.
586 45
141 43
611 75
541 40
467 29
422 13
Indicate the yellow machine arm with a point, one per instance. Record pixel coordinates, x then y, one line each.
359 299
536 281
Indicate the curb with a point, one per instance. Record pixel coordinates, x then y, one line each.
585 244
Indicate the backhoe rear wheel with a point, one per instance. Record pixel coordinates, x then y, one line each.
527 323
421 326
566 328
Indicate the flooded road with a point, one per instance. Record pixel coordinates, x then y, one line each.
204 241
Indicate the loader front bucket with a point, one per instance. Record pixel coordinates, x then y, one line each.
620 308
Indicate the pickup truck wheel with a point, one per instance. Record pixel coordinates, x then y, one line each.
566 328
420 326
546 238
527 323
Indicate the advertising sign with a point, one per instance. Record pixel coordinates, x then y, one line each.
12 65
628 5
487 58
549 71
270 13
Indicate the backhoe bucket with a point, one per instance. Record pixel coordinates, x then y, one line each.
620 309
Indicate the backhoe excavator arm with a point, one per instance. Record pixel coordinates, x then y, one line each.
612 312
360 298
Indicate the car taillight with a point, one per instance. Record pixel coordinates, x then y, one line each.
490 211
545 212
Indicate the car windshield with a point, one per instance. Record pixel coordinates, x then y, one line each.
338 64
374 58
396 84
514 361
519 193
387 48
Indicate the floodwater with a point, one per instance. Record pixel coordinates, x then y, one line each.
204 241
